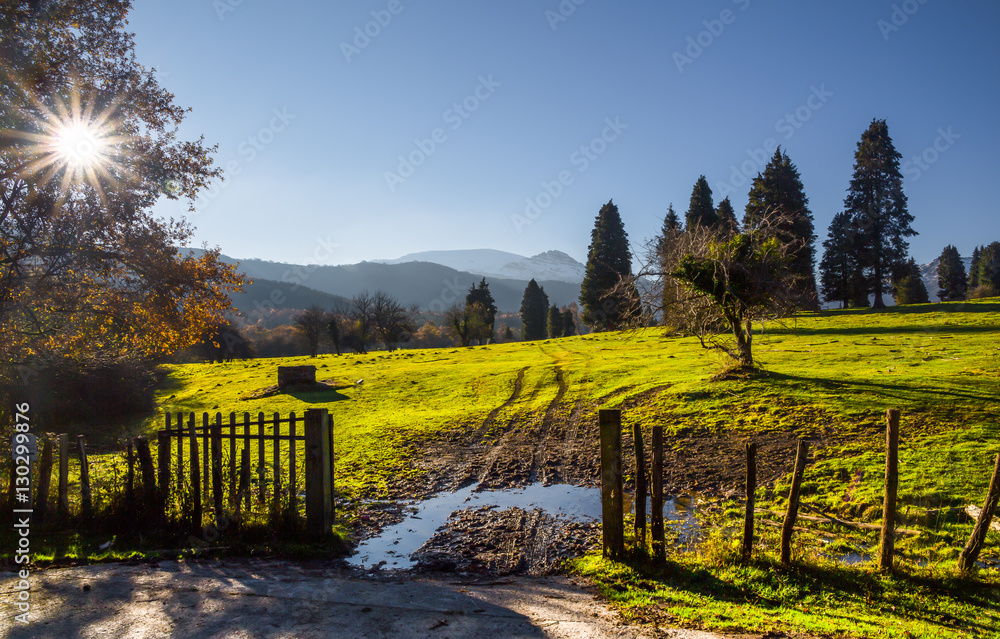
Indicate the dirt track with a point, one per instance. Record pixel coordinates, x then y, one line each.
274 599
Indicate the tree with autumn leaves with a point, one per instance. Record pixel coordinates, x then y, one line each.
88 144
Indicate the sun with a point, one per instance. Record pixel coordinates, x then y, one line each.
80 145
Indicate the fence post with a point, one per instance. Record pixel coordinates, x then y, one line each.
246 447
86 505
232 458
217 468
967 560
44 480
656 515
206 455
319 500
292 467
333 469
640 485
887 540
195 474
277 464
163 459
244 490
751 488
261 466
180 450
793 503
62 509
611 483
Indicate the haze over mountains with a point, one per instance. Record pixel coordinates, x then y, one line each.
414 278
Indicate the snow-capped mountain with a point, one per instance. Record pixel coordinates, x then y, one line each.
548 266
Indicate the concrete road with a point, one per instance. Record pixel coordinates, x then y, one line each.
272 599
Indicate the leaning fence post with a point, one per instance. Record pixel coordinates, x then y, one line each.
656 513
62 509
751 488
793 503
86 505
640 485
319 499
888 536
44 480
611 483
967 560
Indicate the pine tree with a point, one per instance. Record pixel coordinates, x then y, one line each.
779 189
555 322
877 204
480 299
951 275
840 269
671 222
974 268
908 286
725 218
989 267
534 309
606 302
569 324
700 211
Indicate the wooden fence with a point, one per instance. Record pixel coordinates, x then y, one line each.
249 465
612 498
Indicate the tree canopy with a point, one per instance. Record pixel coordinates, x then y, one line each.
88 144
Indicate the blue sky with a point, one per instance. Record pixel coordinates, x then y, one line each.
566 105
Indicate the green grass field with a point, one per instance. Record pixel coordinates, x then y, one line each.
829 376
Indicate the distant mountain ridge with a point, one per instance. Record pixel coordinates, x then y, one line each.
547 266
432 286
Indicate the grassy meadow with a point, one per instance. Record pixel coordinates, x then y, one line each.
827 376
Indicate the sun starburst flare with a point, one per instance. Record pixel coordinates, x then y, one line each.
71 143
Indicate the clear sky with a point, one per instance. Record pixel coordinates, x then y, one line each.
568 105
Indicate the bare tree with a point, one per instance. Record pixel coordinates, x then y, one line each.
362 318
310 323
715 287
391 320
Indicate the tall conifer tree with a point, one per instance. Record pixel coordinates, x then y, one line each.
974 268
726 217
779 189
840 269
701 211
534 312
609 262
951 275
877 204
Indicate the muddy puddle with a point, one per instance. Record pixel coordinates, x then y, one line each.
500 531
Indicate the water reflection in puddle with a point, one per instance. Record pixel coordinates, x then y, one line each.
396 543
